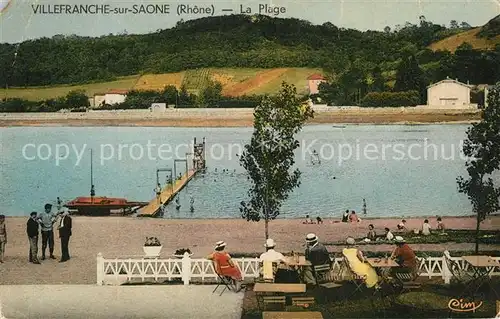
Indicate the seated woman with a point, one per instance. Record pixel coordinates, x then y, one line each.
440 224
426 228
358 265
224 266
404 256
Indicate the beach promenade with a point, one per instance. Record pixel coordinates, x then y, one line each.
124 237
93 302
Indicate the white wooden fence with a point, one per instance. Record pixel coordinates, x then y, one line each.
187 269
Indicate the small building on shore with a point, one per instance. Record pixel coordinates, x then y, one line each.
314 81
449 94
98 100
115 97
158 107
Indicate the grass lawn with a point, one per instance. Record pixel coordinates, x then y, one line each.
453 42
194 80
43 93
431 301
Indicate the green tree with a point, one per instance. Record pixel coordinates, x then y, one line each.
77 98
269 157
212 94
482 147
170 94
409 77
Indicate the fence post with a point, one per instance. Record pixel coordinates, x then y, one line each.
446 271
100 269
186 268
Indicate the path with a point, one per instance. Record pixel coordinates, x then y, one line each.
87 301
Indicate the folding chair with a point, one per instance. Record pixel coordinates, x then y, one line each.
268 271
324 276
223 280
347 274
407 279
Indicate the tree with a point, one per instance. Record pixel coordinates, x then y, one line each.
465 25
77 98
453 24
482 147
387 29
270 156
212 94
410 77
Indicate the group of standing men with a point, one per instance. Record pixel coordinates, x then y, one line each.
46 221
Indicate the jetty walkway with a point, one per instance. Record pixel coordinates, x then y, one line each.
167 194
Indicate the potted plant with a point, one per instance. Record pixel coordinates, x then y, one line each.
152 247
179 253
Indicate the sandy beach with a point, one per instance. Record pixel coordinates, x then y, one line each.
124 236
240 117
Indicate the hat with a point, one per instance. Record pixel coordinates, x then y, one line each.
399 239
220 244
48 206
269 243
350 241
311 238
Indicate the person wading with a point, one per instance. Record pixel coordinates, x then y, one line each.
47 220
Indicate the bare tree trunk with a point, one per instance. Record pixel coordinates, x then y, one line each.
478 223
267 228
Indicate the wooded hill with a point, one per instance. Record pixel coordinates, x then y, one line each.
239 41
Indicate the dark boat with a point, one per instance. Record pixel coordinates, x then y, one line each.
101 205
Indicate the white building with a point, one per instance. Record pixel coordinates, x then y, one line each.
115 97
449 94
158 107
314 81
97 100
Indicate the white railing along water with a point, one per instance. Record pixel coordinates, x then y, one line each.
189 269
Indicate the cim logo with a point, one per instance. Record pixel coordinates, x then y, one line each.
4 4
463 306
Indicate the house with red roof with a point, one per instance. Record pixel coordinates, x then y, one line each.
314 81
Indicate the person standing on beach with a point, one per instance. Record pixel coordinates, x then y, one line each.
65 226
32 229
47 220
3 237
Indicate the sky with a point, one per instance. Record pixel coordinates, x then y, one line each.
20 22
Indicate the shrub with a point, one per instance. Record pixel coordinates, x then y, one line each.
391 99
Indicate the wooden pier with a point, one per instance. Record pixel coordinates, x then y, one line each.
171 189
167 194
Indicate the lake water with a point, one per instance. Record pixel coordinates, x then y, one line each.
400 170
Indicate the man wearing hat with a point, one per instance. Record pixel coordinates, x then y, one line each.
403 254
47 220
317 254
271 254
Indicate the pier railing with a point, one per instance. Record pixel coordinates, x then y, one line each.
198 270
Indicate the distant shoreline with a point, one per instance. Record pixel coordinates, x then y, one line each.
242 117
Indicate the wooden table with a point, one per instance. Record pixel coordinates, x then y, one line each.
481 261
481 266
291 261
283 288
382 263
292 315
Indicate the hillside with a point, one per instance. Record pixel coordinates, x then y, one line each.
481 38
235 82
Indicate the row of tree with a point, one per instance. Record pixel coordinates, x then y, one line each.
243 41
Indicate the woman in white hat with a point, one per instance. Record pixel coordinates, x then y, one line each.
223 264
403 254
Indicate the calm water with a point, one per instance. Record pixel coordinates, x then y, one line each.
402 173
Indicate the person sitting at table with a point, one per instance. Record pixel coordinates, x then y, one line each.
224 265
358 263
404 256
271 254
317 254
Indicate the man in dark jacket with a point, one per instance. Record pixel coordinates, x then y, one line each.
65 225
32 229
317 254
